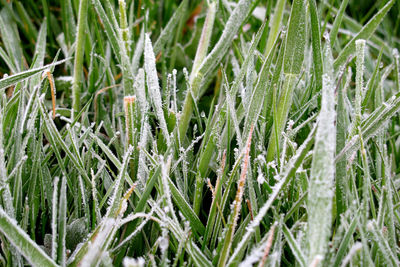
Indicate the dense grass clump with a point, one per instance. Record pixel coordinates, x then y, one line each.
199 133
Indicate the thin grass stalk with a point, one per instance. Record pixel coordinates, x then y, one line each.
294 246
397 68
366 181
54 213
124 26
261 251
132 123
237 206
215 204
360 48
62 223
5 192
316 44
77 82
293 164
52 91
205 39
268 246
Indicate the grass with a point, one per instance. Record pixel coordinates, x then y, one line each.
199 133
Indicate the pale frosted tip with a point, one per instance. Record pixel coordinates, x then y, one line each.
360 42
395 53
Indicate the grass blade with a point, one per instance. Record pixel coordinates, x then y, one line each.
337 22
211 61
322 170
28 248
294 246
77 82
290 170
22 76
293 61
154 88
224 254
275 25
316 44
364 33
167 32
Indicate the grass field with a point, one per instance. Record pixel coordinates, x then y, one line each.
199 133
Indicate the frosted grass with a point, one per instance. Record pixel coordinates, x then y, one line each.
154 88
322 175
163 193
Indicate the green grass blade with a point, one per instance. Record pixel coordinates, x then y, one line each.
77 82
295 40
26 246
294 246
62 223
22 76
346 241
341 172
11 40
293 62
212 60
322 170
316 44
205 39
185 208
168 32
154 87
364 33
293 164
68 20
109 28
275 25
337 22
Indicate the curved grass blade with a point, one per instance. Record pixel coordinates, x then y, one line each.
294 246
24 244
22 76
364 33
